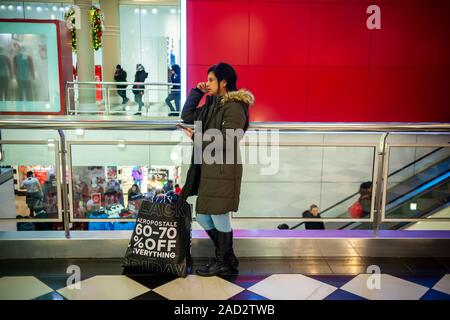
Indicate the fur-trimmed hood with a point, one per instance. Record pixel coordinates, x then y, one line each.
241 95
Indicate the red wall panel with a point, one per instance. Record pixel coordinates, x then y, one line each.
339 35
285 41
396 94
315 60
218 32
440 39
337 94
438 98
405 36
278 100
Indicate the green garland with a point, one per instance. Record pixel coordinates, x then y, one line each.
96 17
69 17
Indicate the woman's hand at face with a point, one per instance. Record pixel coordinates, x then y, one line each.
202 87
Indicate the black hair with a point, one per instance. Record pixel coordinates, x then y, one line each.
223 71
29 173
313 206
176 68
177 185
364 188
118 66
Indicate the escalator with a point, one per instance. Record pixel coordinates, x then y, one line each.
420 189
422 195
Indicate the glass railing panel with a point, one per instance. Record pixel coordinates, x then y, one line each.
34 194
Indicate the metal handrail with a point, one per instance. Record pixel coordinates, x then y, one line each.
131 123
124 83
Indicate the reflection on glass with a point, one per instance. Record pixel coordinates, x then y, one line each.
23 67
101 192
37 195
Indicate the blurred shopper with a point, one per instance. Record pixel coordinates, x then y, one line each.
137 176
361 208
134 192
219 185
175 92
177 189
168 186
138 89
121 76
313 212
24 72
34 192
5 74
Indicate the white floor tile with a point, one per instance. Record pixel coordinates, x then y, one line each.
105 288
443 285
292 287
198 288
22 288
391 288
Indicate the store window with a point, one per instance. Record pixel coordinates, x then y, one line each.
150 35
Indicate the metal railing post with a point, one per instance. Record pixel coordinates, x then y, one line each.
63 154
379 184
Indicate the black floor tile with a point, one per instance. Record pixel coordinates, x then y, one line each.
435 295
245 281
51 296
426 281
57 282
333 280
247 295
152 281
151 295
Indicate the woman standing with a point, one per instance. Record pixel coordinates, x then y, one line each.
138 89
217 185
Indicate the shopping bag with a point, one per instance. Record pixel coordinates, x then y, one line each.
161 240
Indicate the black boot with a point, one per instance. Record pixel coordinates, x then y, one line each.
224 250
213 234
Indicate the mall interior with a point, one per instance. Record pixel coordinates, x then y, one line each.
351 106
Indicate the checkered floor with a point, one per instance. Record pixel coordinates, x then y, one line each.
332 278
244 287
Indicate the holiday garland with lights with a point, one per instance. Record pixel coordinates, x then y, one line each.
69 17
96 18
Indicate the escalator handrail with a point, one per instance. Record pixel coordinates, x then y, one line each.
390 175
356 193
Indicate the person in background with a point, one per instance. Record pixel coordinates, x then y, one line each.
5 74
136 174
313 212
24 72
365 199
34 191
177 189
175 92
138 89
121 76
133 192
168 186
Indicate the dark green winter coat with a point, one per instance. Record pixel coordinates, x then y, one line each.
218 185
